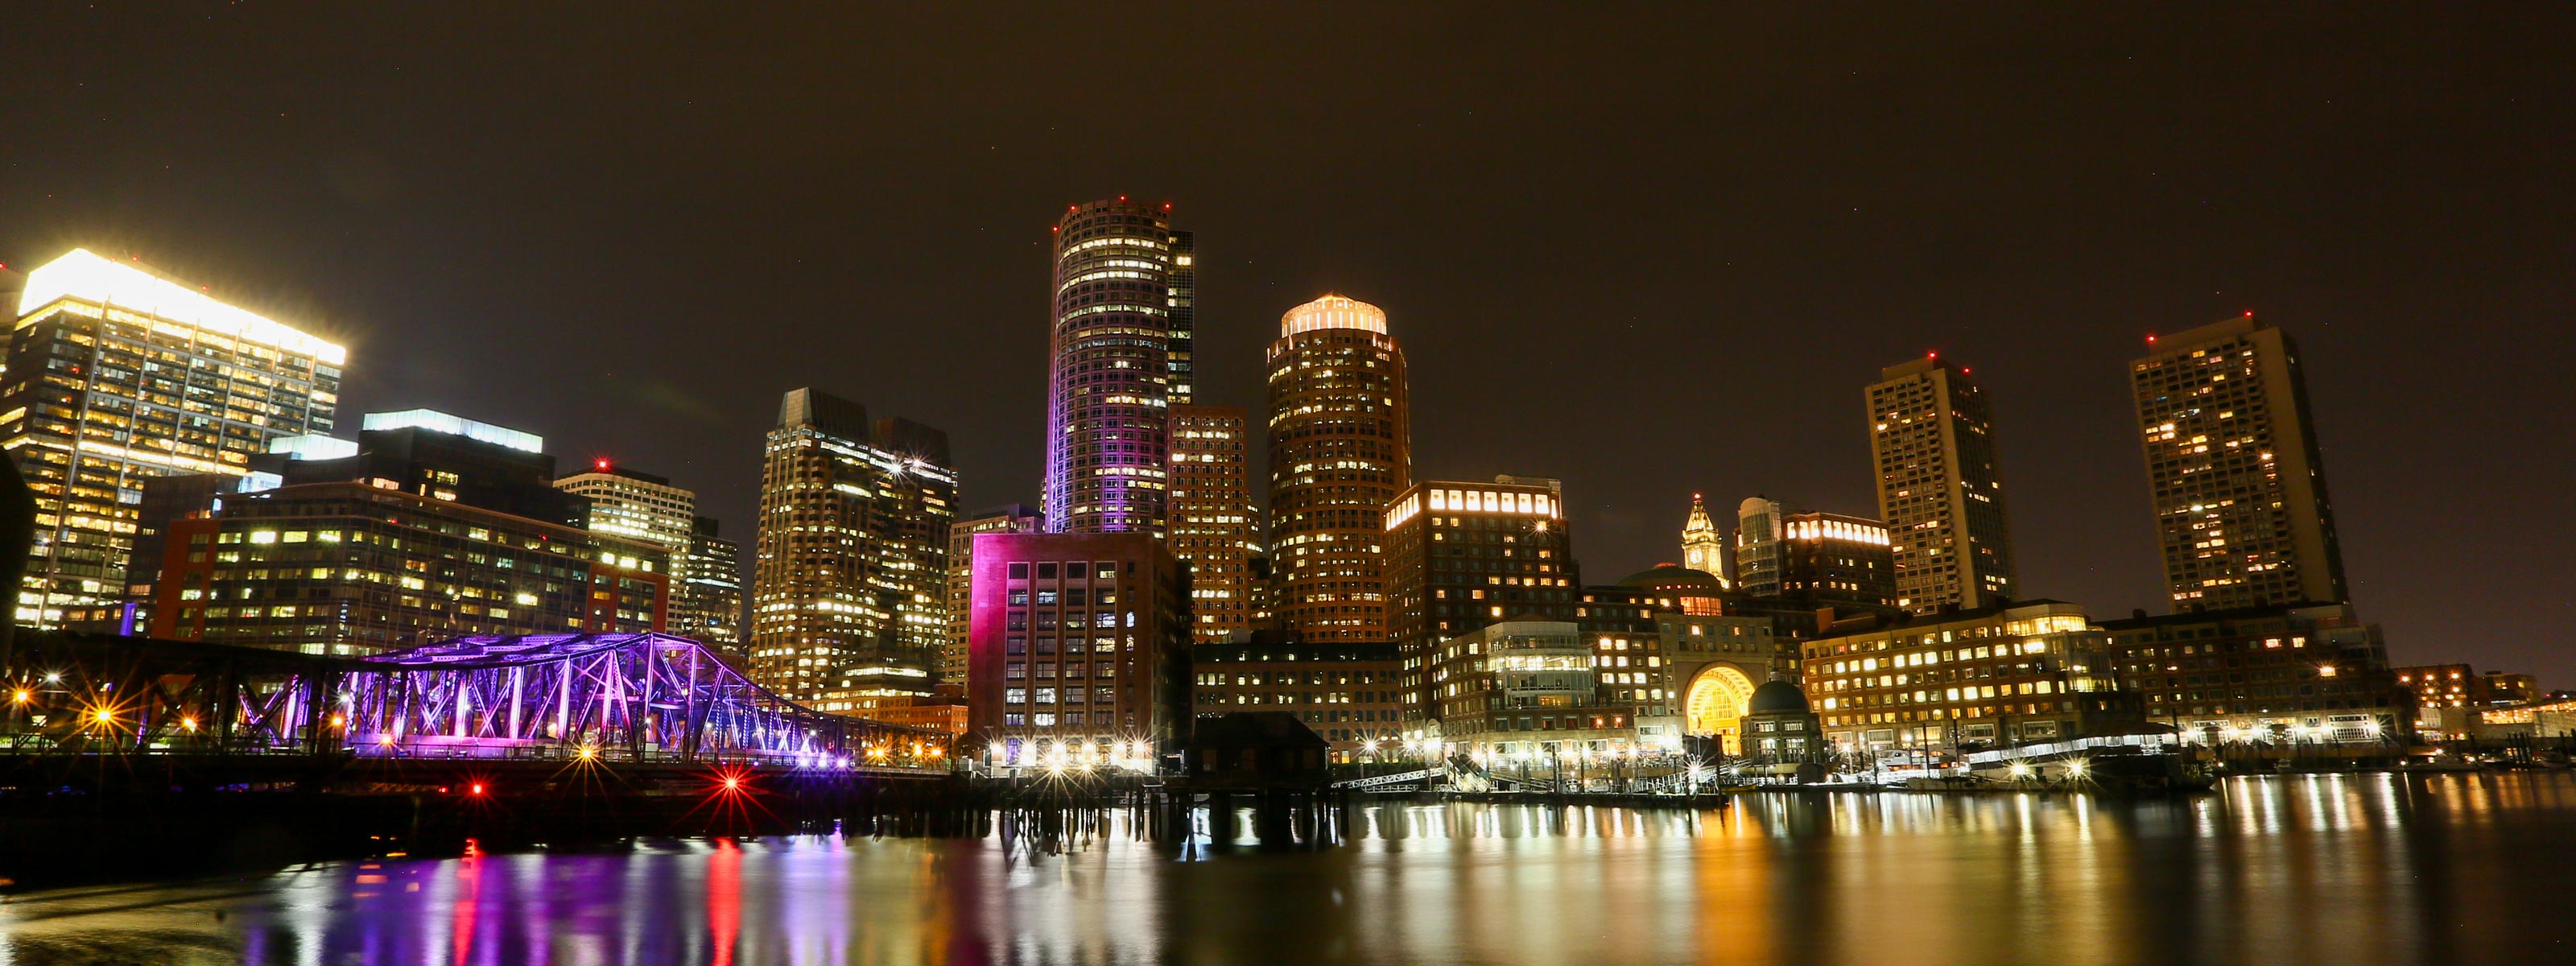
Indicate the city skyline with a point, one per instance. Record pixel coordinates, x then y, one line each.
2082 517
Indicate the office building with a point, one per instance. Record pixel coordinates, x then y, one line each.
1932 442
635 505
1214 526
434 528
1077 641
1013 518
1461 555
1522 690
1183 289
1109 369
2240 493
1348 693
1340 450
2033 671
116 374
849 593
2279 673
1704 543
706 589
1801 562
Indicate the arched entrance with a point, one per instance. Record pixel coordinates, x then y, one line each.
1715 701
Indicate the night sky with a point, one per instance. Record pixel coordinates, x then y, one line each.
1648 253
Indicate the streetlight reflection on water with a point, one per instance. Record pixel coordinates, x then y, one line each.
2351 869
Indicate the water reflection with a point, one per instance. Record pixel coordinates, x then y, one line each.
2350 869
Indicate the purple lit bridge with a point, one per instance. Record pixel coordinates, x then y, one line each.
627 706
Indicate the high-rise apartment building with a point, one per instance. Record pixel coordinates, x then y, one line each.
116 374
1013 518
1340 450
1462 555
1932 441
850 585
2240 493
706 588
1704 543
1109 368
1214 526
1079 641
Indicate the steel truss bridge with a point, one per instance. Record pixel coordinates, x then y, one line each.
613 699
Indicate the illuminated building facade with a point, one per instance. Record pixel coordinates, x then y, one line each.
116 374
1462 555
1340 450
2274 674
1348 693
1214 526
1932 441
2240 492
1014 518
636 506
1184 303
2036 671
1109 377
1077 641
1704 543
706 589
849 594
1813 561
1758 524
1518 690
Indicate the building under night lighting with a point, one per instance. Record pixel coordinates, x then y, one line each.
1014 518
1077 641
1340 450
2240 492
1109 377
116 374
1215 529
1813 561
849 594
1461 555
1932 443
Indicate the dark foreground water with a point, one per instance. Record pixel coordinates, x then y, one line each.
2340 869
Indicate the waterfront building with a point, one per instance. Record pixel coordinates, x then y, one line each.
2277 673
2241 509
1349 693
1712 665
434 528
706 589
2441 685
1780 728
1214 527
1012 518
1461 555
1790 561
1932 441
1109 375
1077 641
1340 451
1704 543
116 374
2031 671
849 594
1522 691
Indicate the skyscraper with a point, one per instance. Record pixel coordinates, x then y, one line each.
1704 543
116 373
1013 518
706 570
1340 450
706 588
1932 440
1213 520
2240 493
850 587
1758 527
1109 368
1184 303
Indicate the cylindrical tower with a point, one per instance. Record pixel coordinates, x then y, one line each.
1341 446
1108 369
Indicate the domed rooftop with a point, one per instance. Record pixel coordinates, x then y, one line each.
1777 696
1673 577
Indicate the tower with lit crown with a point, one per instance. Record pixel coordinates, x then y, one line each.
1340 450
1703 543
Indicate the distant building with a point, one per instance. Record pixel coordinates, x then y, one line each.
2034 671
1704 543
2240 491
1109 367
1932 441
706 570
1461 555
1341 448
1214 527
706 589
2276 673
420 537
1814 561
2441 685
1348 693
116 374
1013 518
849 596
1077 640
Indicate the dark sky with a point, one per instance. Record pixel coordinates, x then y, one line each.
1648 252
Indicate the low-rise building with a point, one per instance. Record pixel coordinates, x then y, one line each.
2275 673
2032 671
1350 693
1077 641
1524 689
